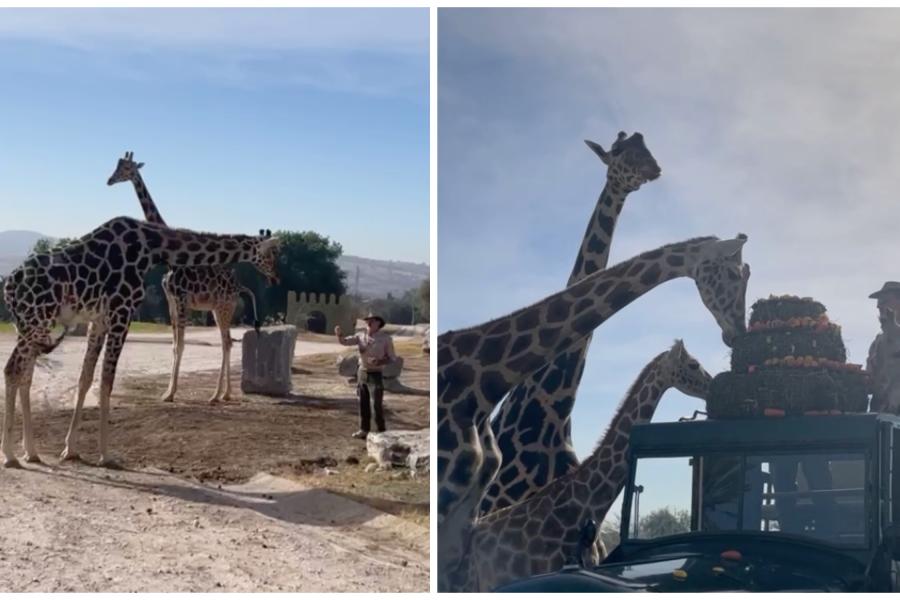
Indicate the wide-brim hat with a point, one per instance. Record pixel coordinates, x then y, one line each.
371 317
889 288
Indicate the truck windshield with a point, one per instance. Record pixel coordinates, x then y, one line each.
817 495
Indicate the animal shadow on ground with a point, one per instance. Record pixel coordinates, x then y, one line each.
313 506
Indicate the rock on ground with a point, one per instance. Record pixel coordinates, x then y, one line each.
400 448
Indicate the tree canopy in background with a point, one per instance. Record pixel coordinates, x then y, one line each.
307 263
4 311
47 245
665 521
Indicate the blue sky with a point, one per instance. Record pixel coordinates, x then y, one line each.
780 124
279 118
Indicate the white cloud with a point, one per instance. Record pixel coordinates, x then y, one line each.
394 30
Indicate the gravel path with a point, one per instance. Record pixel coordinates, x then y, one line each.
76 528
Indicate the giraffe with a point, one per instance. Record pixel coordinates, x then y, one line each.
214 288
478 366
533 426
98 279
540 534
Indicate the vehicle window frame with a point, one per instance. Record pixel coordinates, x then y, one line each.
871 477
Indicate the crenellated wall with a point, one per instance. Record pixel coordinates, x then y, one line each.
337 310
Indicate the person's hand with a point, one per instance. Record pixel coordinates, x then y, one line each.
338 331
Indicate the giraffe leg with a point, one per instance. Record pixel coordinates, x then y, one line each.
118 331
96 337
223 315
31 454
179 321
12 374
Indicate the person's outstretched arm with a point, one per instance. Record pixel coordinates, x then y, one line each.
350 340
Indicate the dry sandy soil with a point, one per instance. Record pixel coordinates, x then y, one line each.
260 494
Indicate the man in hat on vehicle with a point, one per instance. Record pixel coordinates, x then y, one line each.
883 364
376 349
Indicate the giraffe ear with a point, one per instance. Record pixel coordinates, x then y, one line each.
678 350
139 165
598 150
723 248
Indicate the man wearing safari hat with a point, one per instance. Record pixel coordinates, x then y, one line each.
883 364
376 349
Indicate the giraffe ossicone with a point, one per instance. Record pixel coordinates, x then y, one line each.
540 534
533 426
479 365
206 288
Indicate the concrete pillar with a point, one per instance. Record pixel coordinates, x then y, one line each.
266 360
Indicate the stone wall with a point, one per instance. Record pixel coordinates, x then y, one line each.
337 310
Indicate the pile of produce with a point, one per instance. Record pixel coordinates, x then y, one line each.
792 360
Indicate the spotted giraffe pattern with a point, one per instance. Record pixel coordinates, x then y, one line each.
214 289
98 279
541 534
478 366
533 426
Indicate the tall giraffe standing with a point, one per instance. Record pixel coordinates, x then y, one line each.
478 366
540 534
204 288
99 279
533 426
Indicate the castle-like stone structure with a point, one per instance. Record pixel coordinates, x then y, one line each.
320 313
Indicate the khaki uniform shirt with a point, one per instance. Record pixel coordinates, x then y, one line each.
883 367
375 351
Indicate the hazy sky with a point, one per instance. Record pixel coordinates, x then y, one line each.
780 123
279 118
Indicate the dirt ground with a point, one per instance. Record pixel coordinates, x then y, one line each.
260 494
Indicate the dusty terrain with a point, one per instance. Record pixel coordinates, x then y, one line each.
260 494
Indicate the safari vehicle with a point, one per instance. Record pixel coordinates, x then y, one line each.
807 503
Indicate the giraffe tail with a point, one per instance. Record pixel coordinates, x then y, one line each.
249 292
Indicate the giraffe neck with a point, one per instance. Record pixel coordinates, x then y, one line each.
608 466
594 252
186 248
521 343
151 213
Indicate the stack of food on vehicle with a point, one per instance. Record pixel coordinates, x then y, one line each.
792 360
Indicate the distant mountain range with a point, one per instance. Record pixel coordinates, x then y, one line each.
377 278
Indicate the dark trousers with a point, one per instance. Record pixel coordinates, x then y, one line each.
370 390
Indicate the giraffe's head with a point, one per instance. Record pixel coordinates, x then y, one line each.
265 255
685 373
630 163
126 169
721 277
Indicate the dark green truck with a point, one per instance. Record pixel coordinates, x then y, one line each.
807 503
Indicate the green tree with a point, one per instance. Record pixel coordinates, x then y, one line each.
665 521
307 262
424 302
4 311
47 245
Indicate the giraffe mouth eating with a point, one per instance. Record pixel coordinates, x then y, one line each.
652 174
